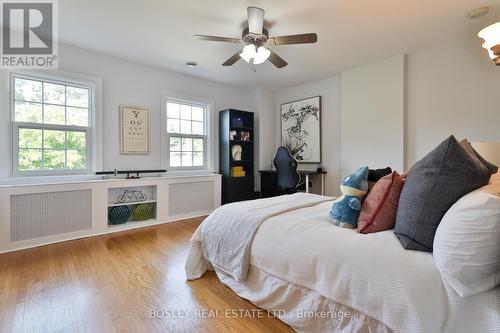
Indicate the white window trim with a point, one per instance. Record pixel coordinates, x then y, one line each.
94 132
43 172
209 144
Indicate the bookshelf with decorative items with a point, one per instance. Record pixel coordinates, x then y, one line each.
236 154
131 204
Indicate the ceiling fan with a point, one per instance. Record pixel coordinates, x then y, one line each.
257 41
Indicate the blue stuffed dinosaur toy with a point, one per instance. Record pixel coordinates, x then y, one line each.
345 210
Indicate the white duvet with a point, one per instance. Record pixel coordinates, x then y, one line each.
370 273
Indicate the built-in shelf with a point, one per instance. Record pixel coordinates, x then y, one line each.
241 161
241 141
130 223
114 204
83 210
149 193
241 129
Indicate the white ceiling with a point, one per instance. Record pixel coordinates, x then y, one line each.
350 33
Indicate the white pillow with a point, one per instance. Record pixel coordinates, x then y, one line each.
467 242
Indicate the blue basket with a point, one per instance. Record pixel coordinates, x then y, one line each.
118 215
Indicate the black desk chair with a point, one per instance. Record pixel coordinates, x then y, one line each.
287 176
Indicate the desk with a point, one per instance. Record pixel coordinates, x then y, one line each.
268 182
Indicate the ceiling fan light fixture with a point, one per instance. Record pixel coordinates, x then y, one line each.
252 54
255 37
248 52
261 55
491 37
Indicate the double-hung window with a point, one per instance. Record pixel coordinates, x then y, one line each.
186 135
51 127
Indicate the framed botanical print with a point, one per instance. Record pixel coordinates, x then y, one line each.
134 130
301 129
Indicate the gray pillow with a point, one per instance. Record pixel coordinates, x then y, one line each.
432 186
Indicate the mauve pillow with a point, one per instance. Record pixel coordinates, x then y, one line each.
378 212
467 145
433 185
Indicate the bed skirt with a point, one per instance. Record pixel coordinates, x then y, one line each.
303 309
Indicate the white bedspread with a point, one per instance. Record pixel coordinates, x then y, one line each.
227 234
370 273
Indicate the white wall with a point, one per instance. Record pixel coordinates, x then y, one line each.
265 126
372 116
329 90
453 88
354 106
130 83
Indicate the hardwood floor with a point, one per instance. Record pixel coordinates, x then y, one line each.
111 283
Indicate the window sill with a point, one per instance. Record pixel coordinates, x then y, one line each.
35 180
189 173
54 180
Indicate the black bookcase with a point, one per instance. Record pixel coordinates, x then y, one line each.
236 128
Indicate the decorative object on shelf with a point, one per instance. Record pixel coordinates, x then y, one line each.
301 129
237 171
491 41
237 122
236 151
132 196
245 136
143 212
134 130
129 173
118 215
232 135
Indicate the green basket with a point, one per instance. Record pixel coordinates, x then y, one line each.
143 212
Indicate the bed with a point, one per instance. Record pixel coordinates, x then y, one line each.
317 277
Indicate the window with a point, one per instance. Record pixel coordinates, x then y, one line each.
186 135
51 127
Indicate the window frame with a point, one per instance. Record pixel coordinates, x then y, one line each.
15 126
207 142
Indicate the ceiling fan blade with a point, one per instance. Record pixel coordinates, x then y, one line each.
276 60
255 20
217 39
233 59
294 39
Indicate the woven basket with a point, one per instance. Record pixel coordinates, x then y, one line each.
143 212
118 215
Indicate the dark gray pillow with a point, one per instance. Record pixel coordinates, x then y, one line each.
432 186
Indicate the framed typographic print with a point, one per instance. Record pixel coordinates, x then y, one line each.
134 130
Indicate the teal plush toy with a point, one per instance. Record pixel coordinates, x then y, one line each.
345 210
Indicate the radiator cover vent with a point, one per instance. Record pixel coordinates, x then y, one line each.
36 215
185 198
